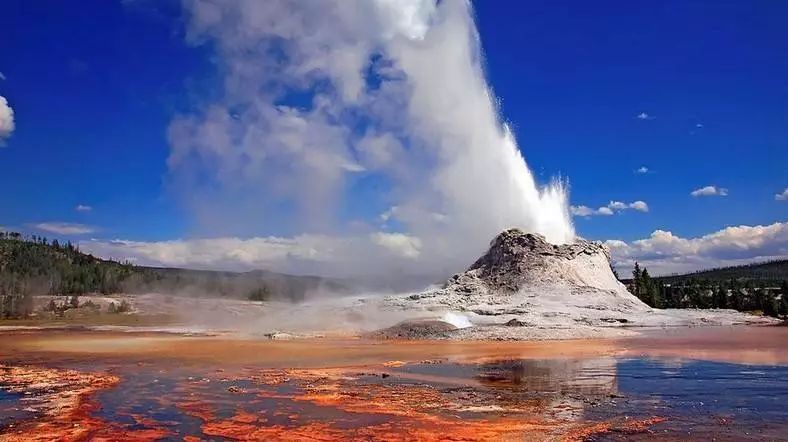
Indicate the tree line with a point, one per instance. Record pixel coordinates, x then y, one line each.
34 265
694 292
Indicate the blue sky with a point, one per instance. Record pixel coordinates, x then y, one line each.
573 78
695 92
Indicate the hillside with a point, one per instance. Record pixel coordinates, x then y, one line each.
769 273
38 267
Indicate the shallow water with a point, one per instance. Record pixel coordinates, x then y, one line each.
703 399
659 387
12 408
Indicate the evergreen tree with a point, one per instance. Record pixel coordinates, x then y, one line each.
722 296
647 289
260 294
636 275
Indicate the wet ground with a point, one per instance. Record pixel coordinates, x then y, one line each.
697 384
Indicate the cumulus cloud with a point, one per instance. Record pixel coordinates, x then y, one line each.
62 228
611 208
710 191
644 116
398 243
642 170
322 98
6 120
607 211
222 253
83 208
782 196
582 211
664 252
617 205
2 76
345 256
640 206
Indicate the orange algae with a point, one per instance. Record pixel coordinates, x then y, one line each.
601 428
62 397
392 412
373 394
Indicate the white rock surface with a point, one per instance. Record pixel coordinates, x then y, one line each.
547 291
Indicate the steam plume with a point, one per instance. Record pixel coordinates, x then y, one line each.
324 100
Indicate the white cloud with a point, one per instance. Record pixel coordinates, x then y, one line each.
62 228
664 252
610 209
411 215
390 213
617 205
783 196
83 208
344 256
607 211
582 211
640 206
642 170
644 116
699 125
6 120
710 191
219 253
399 243
249 160
2 76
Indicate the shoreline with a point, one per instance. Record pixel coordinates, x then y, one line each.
731 343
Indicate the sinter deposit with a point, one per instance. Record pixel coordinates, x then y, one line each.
527 288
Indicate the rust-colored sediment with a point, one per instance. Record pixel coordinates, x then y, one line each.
633 426
396 412
754 345
359 403
761 345
327 352
62 398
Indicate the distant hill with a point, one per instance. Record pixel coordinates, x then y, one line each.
772 272
36 266
257 284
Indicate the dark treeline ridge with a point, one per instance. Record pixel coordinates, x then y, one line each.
725 288
33 265
769 273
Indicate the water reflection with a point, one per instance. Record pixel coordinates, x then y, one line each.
471 389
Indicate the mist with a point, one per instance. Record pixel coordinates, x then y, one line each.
349 138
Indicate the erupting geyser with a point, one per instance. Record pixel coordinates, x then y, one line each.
482 181
398 95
